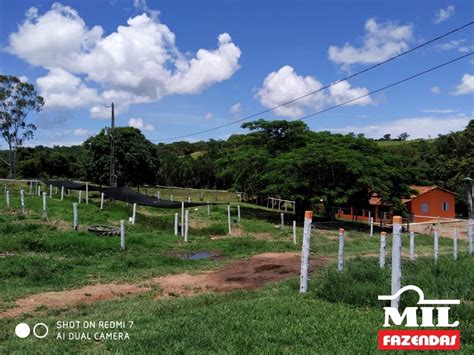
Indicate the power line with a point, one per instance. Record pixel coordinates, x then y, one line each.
388 86
324 87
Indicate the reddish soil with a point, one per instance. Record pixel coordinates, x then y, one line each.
243 274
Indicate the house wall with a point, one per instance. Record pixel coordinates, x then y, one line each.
434 200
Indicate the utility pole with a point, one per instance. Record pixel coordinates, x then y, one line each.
113 182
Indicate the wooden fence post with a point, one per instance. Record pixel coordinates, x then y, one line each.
396 259
308 219
340 255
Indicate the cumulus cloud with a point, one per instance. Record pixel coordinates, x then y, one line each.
209 115
416 127
236 108
435 89
381 41
82 132
443 14
140 124
285 85
139 62
61 89
466 86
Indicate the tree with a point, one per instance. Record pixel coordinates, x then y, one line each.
17 99
403 136
387 137
134 158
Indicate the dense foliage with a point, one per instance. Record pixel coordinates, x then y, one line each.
276 158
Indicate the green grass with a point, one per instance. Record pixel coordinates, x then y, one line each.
340 314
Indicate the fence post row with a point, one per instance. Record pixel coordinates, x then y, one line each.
308 219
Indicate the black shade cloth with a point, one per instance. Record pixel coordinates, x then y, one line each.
69 185
126 194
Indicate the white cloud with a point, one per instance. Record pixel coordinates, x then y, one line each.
236 108
439 111
140 124
444 14
209 115
462 45
466 86
23 79
81 132
381 41
139 61
342 92
416 127
141 5
285 85
61 89
435 89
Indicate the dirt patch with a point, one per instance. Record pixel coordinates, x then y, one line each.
60 299
244 274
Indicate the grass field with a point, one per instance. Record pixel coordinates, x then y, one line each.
340 314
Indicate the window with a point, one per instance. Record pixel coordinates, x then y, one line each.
424 207
445 206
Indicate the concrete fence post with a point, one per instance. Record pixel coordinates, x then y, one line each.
182 219
171 198
39 190
7 196
294 232
122 234
45 211
189 199
158 195
282 220
87 193
208 209
75 224
55 190
31 188
308 219
412 245
176 218
371 222
79 195
238 213
50 191
396 259
383 243
470 235
62 193
186 225
436 244
340 254
22 201
228 219
455 243
134 213
101 200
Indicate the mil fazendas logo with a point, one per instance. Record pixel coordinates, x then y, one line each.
429 314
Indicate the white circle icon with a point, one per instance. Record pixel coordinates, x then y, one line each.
46 330
22 330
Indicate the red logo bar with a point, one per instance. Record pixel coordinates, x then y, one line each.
419 339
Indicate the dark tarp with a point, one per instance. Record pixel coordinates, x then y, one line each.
69 185
125 194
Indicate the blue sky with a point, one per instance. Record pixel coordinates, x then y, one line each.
177 67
